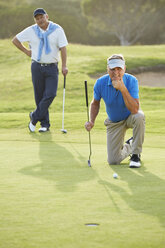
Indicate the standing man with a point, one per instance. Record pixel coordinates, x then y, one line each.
120 93
45 40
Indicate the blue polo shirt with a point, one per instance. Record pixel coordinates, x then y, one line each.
114 102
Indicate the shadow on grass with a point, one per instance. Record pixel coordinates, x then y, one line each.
59 165
146 191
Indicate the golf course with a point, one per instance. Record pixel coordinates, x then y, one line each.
48 193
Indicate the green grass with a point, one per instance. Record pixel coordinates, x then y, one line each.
48 192
15 80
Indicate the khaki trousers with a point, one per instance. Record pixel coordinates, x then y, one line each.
116 149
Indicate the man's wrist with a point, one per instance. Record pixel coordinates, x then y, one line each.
92 122
123 89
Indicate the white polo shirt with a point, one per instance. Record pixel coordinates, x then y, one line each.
56 39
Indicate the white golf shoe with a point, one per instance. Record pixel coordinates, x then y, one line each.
135 161
31 127
43 129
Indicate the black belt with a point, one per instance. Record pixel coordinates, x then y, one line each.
45 64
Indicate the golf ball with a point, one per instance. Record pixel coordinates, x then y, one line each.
115 175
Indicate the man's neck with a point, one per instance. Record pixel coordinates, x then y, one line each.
45 26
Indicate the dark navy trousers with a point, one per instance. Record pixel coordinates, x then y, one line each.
45 83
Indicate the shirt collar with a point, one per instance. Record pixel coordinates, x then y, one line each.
109 81
42 30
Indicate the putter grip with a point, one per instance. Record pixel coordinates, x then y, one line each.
64 81
86 93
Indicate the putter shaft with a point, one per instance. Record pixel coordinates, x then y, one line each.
90 149
63 130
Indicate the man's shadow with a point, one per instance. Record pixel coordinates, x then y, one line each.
146 191
58 164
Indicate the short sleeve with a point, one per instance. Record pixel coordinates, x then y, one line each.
62 40
97 91
24 35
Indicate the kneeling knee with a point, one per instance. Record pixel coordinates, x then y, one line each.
113 162
139 116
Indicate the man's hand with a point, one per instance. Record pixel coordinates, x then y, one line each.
28 53
21 47
116 76
94 110
64 70
89 125
118 84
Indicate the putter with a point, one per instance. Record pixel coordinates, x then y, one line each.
63 130
86 94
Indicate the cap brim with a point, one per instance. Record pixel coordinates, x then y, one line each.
116 63
39 14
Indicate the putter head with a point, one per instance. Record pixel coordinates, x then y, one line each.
63 130
89 163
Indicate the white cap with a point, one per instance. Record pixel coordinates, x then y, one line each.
116 60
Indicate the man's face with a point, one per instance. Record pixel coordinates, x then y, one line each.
42 21
116 73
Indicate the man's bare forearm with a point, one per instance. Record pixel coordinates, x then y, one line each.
131 103
21 47
64 60
94 110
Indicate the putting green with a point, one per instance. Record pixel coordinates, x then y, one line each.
48 192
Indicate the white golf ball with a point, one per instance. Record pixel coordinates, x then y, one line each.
115 175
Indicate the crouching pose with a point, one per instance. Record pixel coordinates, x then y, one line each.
120 93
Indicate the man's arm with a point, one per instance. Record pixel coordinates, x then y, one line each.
21 47
131 103
64 58
94 110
